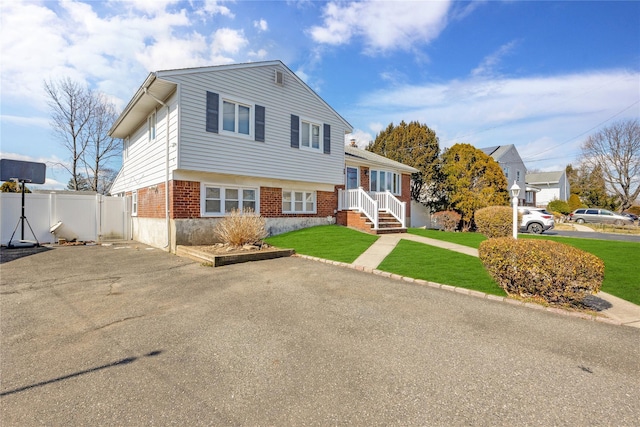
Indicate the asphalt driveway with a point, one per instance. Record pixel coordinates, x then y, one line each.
128 335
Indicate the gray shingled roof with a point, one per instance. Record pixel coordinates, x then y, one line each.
543 177
368 157
497 151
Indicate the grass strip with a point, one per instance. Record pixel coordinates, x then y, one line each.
472 240
620 258
420 261
621 261
326 241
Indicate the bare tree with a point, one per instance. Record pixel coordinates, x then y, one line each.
102 147
81 119
616 151
71 113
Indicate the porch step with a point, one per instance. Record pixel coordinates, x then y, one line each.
387 224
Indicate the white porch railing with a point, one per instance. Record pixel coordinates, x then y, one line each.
359 200
389 203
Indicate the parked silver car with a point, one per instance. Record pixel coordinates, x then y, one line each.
535 220
602 216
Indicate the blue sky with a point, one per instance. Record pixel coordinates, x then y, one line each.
542 75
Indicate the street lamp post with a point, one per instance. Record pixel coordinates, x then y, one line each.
515 191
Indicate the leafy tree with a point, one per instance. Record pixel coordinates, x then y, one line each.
472 180
615 150
589 184
90 182
574 202
416 145
13 187
559 206
81 118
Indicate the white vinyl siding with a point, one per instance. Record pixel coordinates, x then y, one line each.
226 153
218 200
145 162
298 201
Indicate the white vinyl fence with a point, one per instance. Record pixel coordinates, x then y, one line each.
84 217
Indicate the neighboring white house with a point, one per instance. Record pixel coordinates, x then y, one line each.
512 165
552 185
200 142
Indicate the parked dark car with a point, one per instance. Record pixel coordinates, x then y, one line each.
602 216
630 215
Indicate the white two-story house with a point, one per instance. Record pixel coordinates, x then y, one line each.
200 142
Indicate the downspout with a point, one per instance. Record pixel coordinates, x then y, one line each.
166 171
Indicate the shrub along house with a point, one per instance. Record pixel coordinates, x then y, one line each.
200 142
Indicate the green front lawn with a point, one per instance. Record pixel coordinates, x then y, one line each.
420 261
620 258
326 241
425 262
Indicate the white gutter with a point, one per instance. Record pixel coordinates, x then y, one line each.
166 170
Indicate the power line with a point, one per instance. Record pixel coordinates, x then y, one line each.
587 131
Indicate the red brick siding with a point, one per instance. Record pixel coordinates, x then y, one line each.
270 202
185 199
406 192
364 178
151 201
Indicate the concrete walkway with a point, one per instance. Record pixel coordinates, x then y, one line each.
617 309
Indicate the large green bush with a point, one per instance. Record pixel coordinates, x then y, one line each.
558 273
495 221
559 206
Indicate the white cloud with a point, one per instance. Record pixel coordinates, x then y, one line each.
382 25
260 54
489 64
546 117
213 7
261 25
228 41
362 138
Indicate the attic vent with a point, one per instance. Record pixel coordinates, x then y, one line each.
279 79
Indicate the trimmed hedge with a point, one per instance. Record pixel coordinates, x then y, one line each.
558 273
496 221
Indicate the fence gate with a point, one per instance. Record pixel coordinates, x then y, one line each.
84 217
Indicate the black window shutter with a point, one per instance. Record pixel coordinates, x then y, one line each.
327 139
259 123
212 112
295 131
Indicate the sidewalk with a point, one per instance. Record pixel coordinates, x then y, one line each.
620 310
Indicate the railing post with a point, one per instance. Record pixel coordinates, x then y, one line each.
376 213
403 210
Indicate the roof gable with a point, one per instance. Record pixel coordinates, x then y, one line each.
158 86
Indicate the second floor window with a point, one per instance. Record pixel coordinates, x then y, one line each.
310 135
236 117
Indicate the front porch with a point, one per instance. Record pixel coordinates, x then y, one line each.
374 212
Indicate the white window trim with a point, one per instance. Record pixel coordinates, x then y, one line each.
236 101
152 124
398 181
312 122
223 188
134 203
304 203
